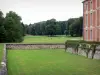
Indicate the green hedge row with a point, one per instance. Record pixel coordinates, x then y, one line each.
81 41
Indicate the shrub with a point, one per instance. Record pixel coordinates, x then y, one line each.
73 44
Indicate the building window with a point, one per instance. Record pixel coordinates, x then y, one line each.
87 6
98 2
86 20
90 34
86 35
98 18
91 17
91 4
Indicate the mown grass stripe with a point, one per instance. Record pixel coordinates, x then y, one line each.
50 62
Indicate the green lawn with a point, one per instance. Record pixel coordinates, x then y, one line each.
46 39
50 62
1 51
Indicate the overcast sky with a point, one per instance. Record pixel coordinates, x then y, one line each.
33 11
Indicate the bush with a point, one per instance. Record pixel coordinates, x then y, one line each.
72 43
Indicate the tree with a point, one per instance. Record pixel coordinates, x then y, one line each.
62 25
81 26
13 27
23 29
2 34
69 22
33 30
42 27
51 27
38 29
76 27
26 28
58 29
2 29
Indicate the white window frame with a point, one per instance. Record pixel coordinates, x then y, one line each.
86 6
91 5
97 3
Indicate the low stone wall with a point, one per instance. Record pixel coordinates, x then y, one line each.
53 46
82 52
3 70
35 46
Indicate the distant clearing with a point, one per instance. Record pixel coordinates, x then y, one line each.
46 39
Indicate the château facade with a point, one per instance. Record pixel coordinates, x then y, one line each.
91 20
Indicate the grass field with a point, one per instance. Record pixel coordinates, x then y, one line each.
50 62
1 51
46 39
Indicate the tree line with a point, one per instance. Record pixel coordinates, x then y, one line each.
11 27
13 30
72 27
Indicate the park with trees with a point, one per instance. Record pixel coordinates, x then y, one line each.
42 48
12 29
71 27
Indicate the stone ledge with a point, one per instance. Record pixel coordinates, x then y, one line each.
3 70
35 46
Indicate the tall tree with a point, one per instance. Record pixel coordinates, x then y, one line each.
51 27
2 29
76 27
58 29
23 29
13 27
69 22
33 30
26 28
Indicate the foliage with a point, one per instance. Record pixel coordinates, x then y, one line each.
86 47
11 28
93 50
2 29
73 44
69 22
51 27
76 27
23 29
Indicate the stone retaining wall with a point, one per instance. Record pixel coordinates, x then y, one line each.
3 69
35 46
53 46
82 52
